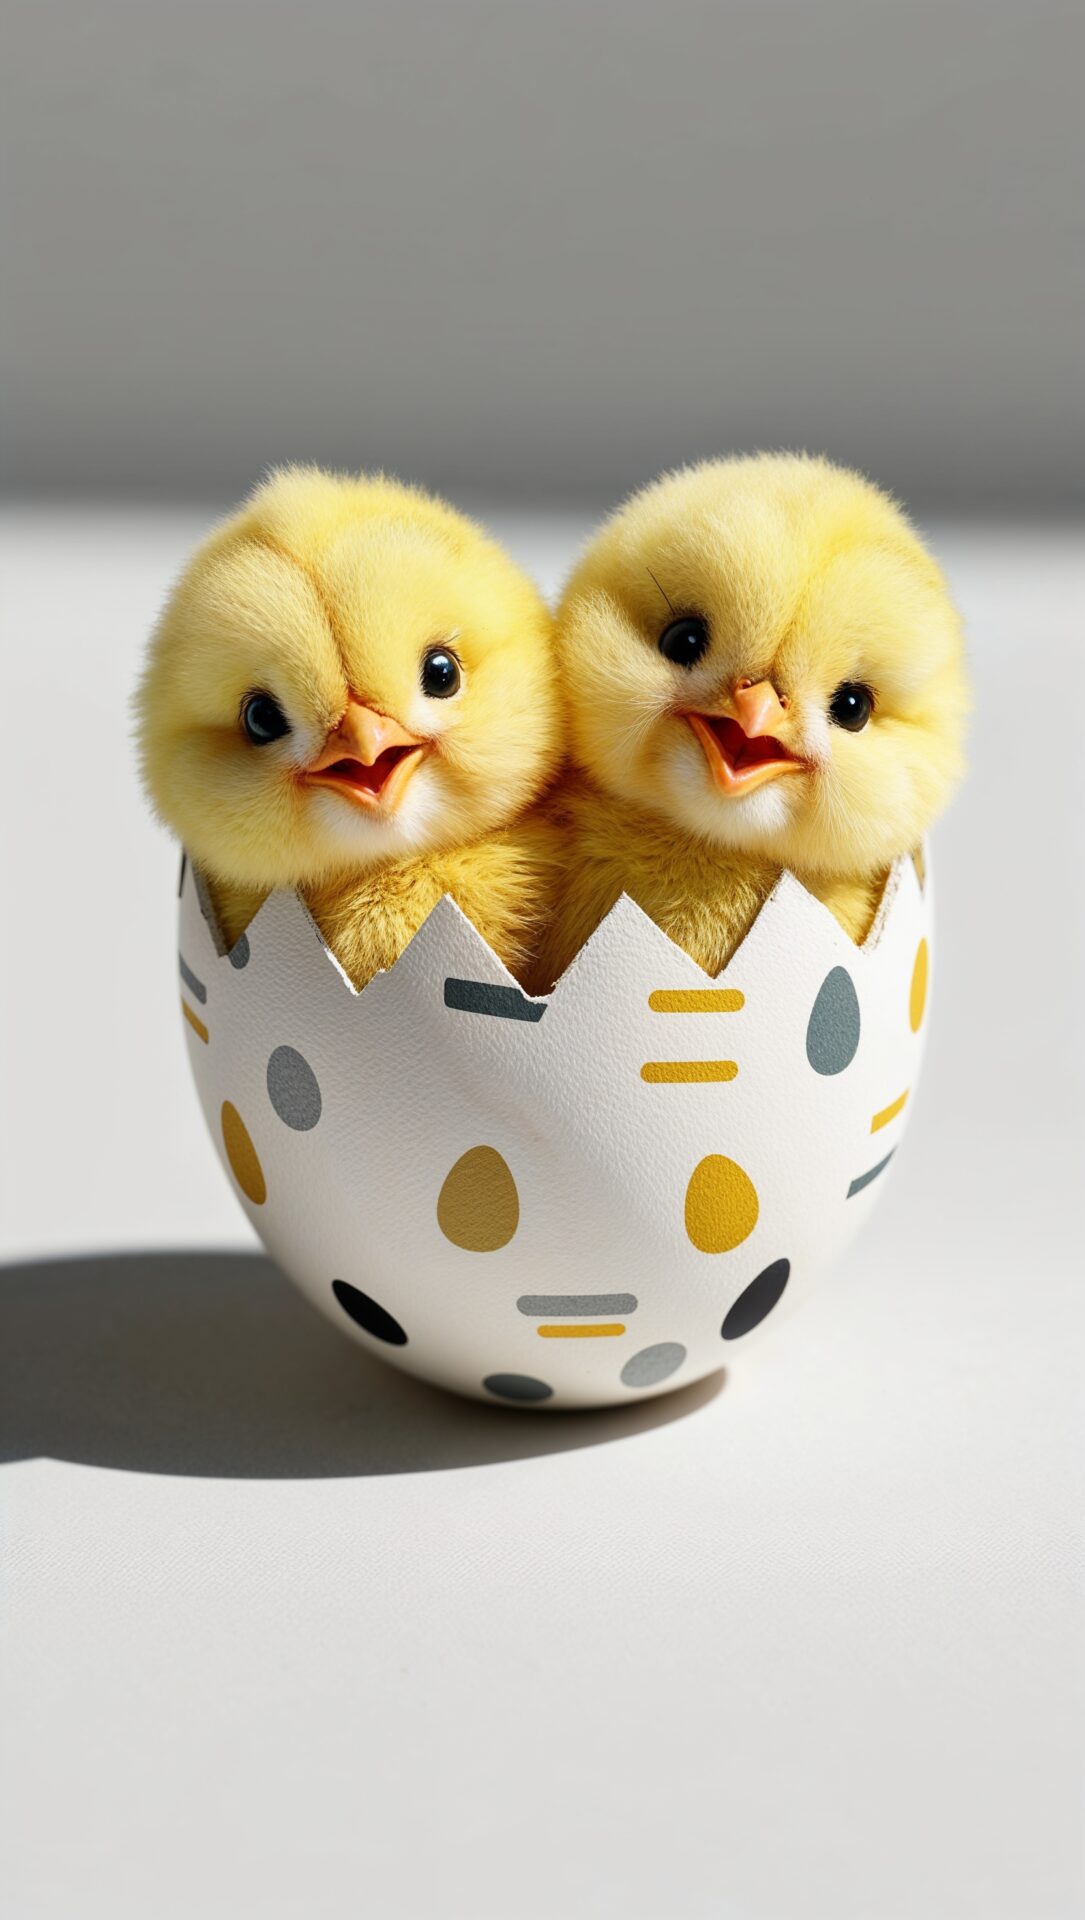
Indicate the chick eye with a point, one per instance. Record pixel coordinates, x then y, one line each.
851 706
441 674
263 719
684 641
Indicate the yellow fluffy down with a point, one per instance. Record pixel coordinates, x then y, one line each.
806 576
319 587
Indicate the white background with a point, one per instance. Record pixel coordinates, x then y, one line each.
286 1634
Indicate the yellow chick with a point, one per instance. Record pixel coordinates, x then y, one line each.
352 692
764 670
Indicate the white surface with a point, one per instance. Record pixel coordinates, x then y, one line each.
286 1634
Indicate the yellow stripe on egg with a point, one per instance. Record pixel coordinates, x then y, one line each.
888 1113
194 1021
917 992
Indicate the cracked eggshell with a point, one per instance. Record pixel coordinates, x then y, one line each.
564 1202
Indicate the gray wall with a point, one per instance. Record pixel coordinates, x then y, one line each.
545 247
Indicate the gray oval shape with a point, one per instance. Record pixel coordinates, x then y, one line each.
516 1386
293 1089
653 1364
239 953
832 1033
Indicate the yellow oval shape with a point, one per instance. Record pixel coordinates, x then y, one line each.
240 1152
478 1207
721 1204
917 995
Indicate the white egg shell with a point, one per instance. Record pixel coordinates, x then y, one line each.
569 1202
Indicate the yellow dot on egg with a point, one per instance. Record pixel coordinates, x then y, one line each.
917 993
721 1205
478 1207
240 1152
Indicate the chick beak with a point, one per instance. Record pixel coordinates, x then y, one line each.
368 758
741 748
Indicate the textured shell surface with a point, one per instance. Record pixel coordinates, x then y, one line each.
572 1201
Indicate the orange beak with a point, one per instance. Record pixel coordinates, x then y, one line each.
743 752
368 758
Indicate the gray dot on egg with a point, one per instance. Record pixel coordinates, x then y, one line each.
293 1089
653 1364
516 1386
240 951
832 1033
757 1300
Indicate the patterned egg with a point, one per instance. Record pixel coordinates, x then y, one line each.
566 1202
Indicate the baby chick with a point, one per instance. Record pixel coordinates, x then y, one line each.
764 670
352 692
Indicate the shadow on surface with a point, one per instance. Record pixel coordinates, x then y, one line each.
211 1364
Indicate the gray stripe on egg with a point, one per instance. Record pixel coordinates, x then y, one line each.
500 1003
583 1306
194 985
864 1179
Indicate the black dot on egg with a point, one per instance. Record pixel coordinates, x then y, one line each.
517 1386
369 1314
832 1032
757 1300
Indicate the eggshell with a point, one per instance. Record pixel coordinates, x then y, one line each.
564 1202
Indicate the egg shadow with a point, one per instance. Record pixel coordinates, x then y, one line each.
210 1364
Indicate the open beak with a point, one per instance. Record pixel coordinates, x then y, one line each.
741 749
369 758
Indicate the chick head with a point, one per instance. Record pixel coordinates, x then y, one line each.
348 672
762 651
